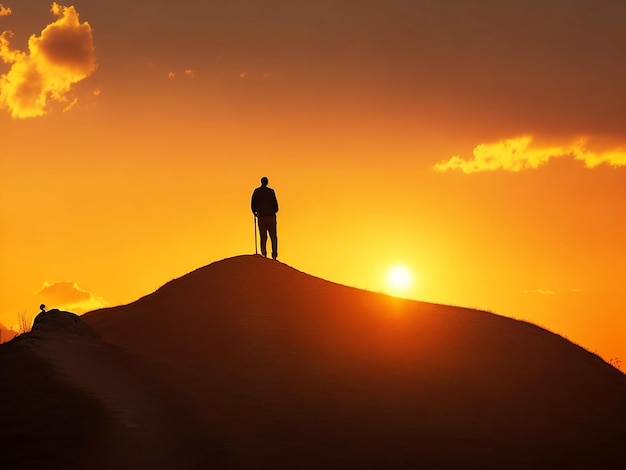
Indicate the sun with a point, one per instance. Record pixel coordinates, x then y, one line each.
399 278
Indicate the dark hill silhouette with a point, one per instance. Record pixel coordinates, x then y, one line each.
250 364
286 370
6 334
69 400
44 421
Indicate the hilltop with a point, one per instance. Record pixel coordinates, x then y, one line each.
259 365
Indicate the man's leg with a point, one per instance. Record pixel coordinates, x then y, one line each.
263 234
273 236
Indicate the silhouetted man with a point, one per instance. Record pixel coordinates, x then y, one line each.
264 206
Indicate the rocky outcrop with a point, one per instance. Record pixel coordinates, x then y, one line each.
59 323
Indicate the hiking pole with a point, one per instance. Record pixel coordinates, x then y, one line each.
256 252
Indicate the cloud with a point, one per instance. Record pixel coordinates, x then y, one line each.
67 295
519 153
614 157
4 11
170 72
540 292
60 57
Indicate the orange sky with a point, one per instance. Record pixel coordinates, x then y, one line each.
479 144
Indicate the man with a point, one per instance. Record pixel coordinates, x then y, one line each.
264 206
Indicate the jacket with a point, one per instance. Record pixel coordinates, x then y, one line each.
264 201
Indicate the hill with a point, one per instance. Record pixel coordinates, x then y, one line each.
249 363
70 400
289 368
6 334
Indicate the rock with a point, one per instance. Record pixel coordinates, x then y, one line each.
64 323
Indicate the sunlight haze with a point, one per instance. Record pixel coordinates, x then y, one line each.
399 279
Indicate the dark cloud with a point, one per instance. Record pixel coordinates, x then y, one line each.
67 43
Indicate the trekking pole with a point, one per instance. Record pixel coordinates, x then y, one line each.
256 252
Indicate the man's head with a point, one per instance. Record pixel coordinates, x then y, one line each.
264 181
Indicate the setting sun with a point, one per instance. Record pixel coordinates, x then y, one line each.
399 278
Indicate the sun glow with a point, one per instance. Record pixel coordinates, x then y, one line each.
399 278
